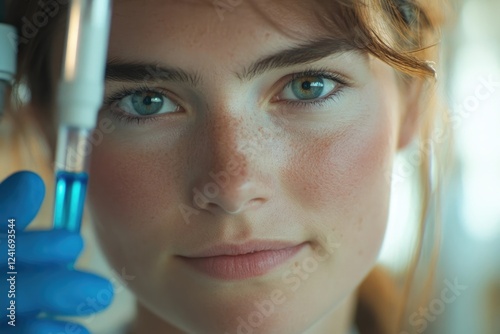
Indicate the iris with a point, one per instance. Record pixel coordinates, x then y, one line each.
147 103
308 88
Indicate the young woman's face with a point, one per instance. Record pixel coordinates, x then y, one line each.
236 154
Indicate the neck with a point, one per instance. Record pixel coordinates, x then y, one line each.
337 321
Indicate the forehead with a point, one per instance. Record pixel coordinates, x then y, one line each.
193 25
217 10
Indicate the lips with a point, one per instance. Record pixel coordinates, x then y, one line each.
233 262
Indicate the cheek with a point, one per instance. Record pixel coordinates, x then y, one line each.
338 171
341 180
128 186
114 182
132 195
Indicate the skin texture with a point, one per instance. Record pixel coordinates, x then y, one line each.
303 173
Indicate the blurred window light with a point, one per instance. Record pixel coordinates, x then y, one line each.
475 101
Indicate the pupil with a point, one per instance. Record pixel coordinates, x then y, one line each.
308 88
148 103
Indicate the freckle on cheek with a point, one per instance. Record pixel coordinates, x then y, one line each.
337 167
121 190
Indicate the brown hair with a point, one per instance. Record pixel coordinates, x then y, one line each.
402 33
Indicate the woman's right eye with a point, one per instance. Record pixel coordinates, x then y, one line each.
146 103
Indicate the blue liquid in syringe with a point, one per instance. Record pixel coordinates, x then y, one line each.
69 200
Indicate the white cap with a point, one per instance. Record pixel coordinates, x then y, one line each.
81 89
8 52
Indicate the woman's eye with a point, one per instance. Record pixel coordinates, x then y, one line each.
146 103
308 88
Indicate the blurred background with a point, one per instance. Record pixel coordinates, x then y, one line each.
471 246
470 237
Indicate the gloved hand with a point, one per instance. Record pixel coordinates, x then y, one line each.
43 281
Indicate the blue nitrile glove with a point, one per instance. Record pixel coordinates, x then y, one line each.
43 280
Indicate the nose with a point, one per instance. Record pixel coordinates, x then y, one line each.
233 173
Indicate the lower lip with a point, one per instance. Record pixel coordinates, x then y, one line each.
238 267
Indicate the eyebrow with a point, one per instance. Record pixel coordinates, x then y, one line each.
134 71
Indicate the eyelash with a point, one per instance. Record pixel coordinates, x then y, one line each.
319 72
123 116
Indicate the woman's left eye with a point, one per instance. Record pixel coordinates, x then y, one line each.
310 89
146 103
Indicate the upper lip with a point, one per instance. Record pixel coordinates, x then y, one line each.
245 248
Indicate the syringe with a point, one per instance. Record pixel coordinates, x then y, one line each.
8 52
80 95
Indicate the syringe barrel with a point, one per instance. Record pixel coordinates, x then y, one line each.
73 149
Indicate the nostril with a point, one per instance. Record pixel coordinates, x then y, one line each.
230 208
255 203
250 205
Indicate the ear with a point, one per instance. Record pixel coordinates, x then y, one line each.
412 96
